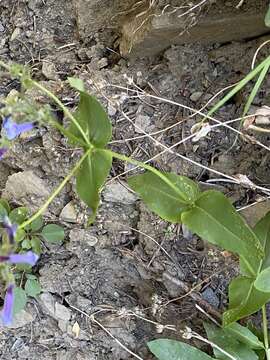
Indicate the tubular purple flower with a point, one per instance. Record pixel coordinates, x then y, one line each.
12 129
3 150
29 258
7 312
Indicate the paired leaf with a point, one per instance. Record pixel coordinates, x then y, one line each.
215 219
93 120
244 335
20 300
167 201
32 287
5 204
245 299
227 342
262 283
53 233
36 224
165 349
76 83
91 177
36 244
18 215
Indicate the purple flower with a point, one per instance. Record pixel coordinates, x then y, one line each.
7 312
3 150
12 129
29 258
10 229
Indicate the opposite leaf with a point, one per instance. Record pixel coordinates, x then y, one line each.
244 298
214 219
93 120
165 349
163 199
244 335
229 344
32 287
262 283
91 177
20 300
53 233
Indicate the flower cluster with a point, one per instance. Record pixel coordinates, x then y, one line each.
11 130
28 258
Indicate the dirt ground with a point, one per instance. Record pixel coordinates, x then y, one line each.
129 273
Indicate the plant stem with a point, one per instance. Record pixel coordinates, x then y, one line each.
61 106
265 332
56 191
147 167
64 108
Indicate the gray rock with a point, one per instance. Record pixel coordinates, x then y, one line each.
52 308
22 319
78 235
142 123
49 70
26 188
196 96
47 302
69 213
61 312
209 295
2 29
117 193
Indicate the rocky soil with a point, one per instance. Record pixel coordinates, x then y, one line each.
118 280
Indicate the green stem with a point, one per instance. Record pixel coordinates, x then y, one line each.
147 167
56 191
239 86
64 108
265 332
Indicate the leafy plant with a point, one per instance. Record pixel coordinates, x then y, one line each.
175 198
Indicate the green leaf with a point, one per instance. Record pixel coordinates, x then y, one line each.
245 299
36 224
31 276
36 244
214 219
20 235
26 244
262 230
244 335
18 215
76 83
163 199
93 120
20 300
53 233
5 204
262 283
3 212
165 349
256 88
91 177
32 287
267 18
229 344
